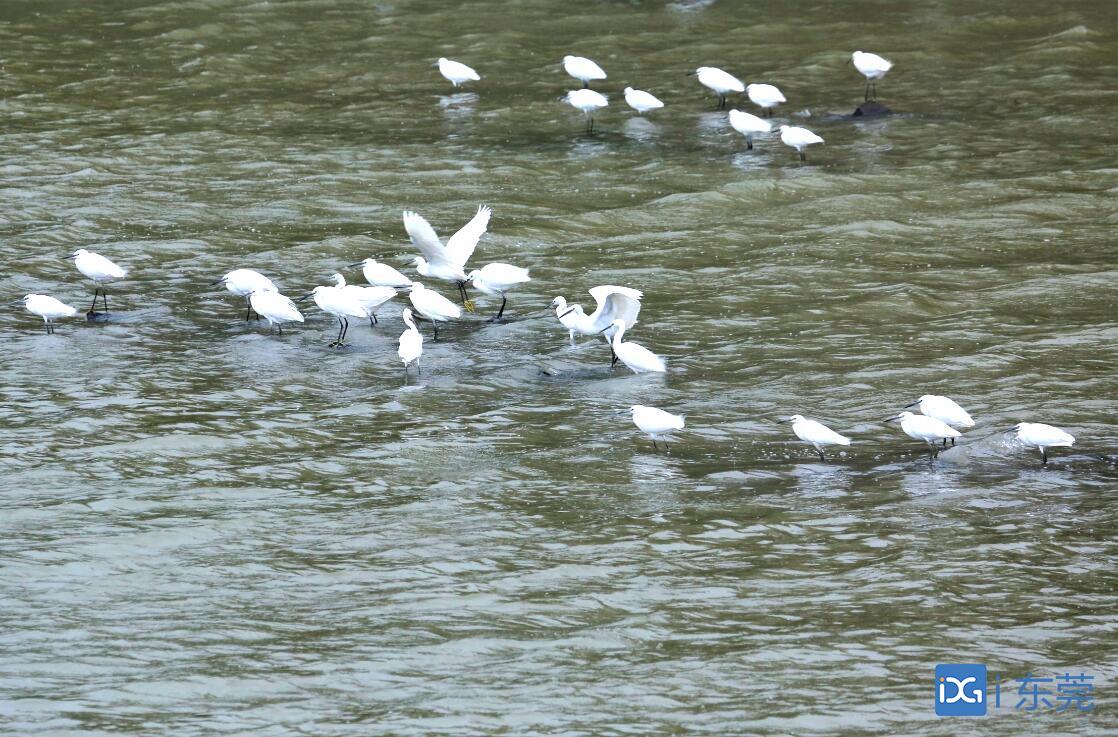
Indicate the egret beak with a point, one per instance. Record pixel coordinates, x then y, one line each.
219 281
67 258
607 327
16 301
892 419
305 297
913 404
566 312
354 266
691 74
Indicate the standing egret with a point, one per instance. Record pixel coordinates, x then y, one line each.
446 263
816 433
943 409
101 270
381 275
48 308
275 308
765 96
798 138
456 72
642 101
433 306
498 279
928 429
242 283
613 303
1039 435
638 358
587 101
370 298
748 124
655 422
872 67
340 303
582 69
411 345
719 82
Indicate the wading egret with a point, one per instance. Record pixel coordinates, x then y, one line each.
243 282
1041 436
719 82
638 358
765 96
433 306
642 101
587 101
798 138
48 308
381 275
456 72
340 303
446 262
873 68
275 308
101 270
656 423
928 429
411 345
370 298
498 279
748 124
613 303
816 433
582 69
943 409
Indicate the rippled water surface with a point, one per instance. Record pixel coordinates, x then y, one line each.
206 529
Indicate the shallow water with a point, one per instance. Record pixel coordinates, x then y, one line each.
209 530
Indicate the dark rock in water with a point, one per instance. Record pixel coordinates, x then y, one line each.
870 109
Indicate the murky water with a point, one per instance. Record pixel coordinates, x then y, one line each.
209 530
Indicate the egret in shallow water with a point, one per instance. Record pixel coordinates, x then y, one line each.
719 82
48 308
928 429
433 306
765 96
587 101
798 138
411 345
582 69
642 101
943 409
340 303
370 298
243 282
1041 436
380 274
638 358
748 124
275 308
816 433
101 270
498 279
873 68
612 303
655 422
446 262
456 72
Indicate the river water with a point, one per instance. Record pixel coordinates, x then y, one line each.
205 529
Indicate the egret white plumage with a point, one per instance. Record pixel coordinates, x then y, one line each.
612 303
340 303
456 72
411 344
928 429
638 358
446 262
587 101
101 270
719 82
275 308
943 409
798 138
498 278
433 306
370 298
46 307
873 68
816 433
748 124
1041 436
582 69
243 282
765 96
380 274
655 422
642 101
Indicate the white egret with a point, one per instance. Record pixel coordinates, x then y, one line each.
612 303
456 72
381 274
748 124
587 101
243 282
798 138
447 263
719 82
275 308
872 67
943 409
48 308
765 96
638 358
642 101
498 278
816 433
582 69
928 429
433 306
340 303
370 298
101 270
1041 436
411 344
655 422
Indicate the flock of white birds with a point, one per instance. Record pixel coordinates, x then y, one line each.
616 310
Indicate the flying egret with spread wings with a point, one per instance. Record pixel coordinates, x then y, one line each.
446 262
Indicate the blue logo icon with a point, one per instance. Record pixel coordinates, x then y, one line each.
961 690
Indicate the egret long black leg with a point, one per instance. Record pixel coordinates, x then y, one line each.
435 327
1043 457
248 309
822 457
93 307
502 310
803 156
866 96
105 299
